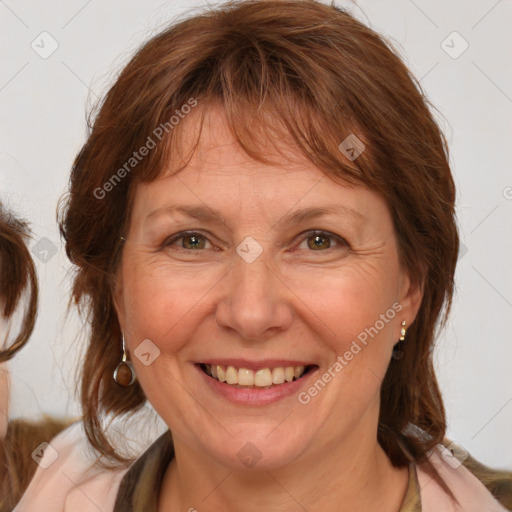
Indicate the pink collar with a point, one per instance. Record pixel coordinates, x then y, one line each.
472 495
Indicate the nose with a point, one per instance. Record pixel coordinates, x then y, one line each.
255 302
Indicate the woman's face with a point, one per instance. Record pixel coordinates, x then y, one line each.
266 288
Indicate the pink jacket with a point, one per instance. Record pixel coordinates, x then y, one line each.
72 482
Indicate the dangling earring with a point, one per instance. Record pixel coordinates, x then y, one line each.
402 332
124 374
397 349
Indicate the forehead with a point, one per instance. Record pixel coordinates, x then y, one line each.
219 175
218 150
219 169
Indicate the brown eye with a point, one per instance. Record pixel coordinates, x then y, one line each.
193 241
322 241
317 242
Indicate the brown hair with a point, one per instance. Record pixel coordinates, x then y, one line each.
18 280
299 71
17 467
17 276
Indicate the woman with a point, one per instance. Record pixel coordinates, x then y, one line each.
262 220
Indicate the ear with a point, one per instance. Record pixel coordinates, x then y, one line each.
410 297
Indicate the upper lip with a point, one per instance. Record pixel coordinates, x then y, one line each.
255 365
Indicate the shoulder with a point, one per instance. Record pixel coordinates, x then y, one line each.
17 465
69 478
454 466
497 482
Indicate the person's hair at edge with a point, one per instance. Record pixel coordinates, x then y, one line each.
299 71
18 287
17 277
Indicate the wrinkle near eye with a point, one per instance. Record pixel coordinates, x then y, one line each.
376 249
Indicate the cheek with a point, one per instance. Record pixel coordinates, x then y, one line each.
354 316
154 300
165 306
352 303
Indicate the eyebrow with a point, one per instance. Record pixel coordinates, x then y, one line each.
206 214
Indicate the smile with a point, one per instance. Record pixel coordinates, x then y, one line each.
264 378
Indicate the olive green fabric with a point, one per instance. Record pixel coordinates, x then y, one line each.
140 487
412 501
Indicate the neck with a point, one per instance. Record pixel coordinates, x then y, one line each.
354 477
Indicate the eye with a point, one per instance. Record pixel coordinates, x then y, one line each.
317 240
190 241
321 240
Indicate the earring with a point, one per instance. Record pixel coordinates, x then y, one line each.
124 374
402 332
397 349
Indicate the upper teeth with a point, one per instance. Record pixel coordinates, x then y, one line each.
261 378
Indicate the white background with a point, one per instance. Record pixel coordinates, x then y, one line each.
43 105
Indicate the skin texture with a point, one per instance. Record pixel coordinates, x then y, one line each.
293 302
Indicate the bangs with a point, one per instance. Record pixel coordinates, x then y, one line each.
269 125
274 95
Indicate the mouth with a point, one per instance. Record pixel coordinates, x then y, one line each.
255 378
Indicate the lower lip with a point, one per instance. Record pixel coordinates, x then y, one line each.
255 396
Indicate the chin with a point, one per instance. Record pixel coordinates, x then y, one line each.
264 450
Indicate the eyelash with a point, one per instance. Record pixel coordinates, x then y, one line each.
304 236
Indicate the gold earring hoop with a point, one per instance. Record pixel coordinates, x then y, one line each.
402 332
124 374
